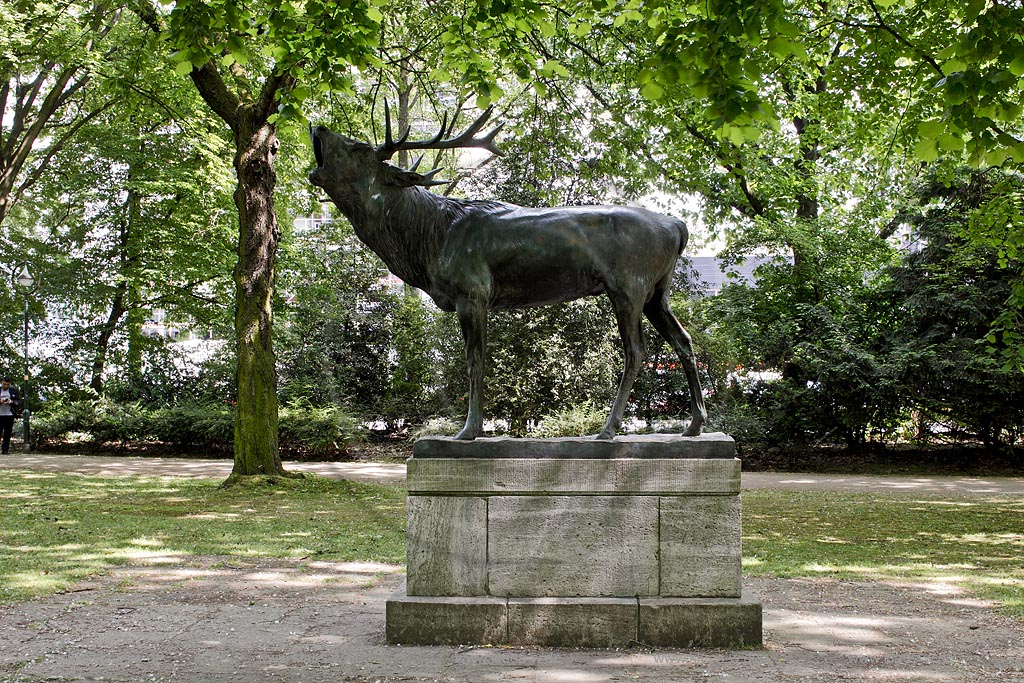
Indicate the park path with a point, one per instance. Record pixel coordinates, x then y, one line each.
113 466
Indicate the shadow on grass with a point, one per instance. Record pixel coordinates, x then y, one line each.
56 529
975 543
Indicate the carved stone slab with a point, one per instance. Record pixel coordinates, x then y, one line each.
713 445
573 546
554 476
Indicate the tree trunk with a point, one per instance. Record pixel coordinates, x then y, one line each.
256 420
99 360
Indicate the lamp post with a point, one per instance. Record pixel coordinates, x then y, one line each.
24 281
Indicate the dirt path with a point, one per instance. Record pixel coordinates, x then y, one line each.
395 472
221 621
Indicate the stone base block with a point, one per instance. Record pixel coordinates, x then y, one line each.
574 622
700 622
446 621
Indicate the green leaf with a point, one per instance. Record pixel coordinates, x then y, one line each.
652 91
930 130
1017 152
183 68
555 67
956 93
950 143
374 15
996 157
1017 65
927 150
668 74
974 8
583 29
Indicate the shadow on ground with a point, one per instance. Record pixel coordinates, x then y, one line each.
219 620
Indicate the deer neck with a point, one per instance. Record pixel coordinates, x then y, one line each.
404 226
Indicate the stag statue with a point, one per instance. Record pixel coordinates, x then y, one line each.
472 256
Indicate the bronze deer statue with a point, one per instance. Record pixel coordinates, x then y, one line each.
472 256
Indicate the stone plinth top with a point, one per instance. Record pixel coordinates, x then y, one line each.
643 446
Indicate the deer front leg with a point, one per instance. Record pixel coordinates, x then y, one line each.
473 321
627 314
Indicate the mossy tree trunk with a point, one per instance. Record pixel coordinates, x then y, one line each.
256 421
256 145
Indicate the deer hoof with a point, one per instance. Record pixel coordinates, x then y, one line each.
695 428
605 436
467 434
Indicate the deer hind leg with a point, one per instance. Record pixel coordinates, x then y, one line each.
473 321
660 314
627 314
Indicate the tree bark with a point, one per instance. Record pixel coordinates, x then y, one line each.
256 421
117 309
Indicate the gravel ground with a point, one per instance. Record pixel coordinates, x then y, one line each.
218 620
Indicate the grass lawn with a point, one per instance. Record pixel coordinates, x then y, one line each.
56 529
974 542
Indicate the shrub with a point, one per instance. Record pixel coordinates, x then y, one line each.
437 426
580 420
303 429
201 425
103 420
318 431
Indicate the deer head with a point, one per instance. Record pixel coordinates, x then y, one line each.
343 161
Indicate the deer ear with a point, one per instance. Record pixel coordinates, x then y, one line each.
399 177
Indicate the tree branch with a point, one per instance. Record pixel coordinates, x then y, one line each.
272 87
215 93
899 38
755 207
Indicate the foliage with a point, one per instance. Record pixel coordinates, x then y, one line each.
437 426
948 291
111 225
347 337
319 431
546 359
59 529
581 419
305 431
800 126
55 65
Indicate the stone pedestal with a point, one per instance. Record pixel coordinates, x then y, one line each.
574 542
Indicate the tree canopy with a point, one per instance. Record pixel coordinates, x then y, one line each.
145 142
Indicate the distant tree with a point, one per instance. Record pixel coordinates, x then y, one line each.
947 292
338 322
53 57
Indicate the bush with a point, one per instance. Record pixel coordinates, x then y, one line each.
318 431
200 425
303 429
437 426
104 421
738 420
583 419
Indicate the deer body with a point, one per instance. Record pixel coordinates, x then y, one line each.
473 256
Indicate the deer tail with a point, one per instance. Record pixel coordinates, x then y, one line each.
684 234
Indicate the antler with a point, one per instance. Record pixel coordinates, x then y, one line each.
465 139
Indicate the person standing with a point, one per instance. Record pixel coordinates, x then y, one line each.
10 406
